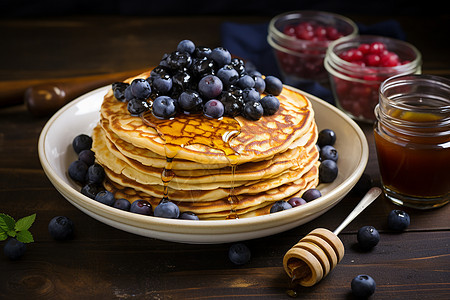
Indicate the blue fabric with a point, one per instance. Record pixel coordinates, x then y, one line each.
249 42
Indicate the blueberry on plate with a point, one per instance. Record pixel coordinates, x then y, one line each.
203 66
260 84
81 142
398 220
228 75
274 86
119 90
363 286
280 206
253 110
167 209
189 215
78 170
91 190
60 228
239 254
311 194
270 104
250 94
14 249
213 109
137 106
164 107
246 82
179 60
221 56
140 89
296 201
328 152
105 197
328 171
122 204
87 156
210 86
186 46
162 84
190 101
326 137
368 237
95 174
202 51
142 207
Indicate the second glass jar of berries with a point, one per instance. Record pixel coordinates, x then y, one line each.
358 65
300 40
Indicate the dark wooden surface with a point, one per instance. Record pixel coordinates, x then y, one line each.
104 263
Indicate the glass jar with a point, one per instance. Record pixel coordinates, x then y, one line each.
412 138
355 86
301 58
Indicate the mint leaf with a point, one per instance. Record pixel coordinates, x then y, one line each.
25 223
24 236
3 235
11 233
6 222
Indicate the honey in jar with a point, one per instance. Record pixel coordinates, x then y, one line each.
412 138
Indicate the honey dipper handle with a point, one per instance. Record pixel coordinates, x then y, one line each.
368 198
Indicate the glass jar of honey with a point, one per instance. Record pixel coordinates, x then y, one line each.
412 138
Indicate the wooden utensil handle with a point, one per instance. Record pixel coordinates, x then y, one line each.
45 96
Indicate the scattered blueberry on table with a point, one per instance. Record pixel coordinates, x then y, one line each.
239 254
368 237
363 286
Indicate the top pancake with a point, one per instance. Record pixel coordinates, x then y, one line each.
257 140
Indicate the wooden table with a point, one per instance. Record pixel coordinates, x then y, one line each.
105 263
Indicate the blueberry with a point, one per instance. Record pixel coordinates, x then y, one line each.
162 85
363 286
368 237
87 156
122 204
260 84
221 56
239 254
274 86
95 174
91 190
164 107
141 207
167 209
228 75
186 46
326 137
137 106
250 94
188 215
232 102
81 142
78 170
270 104
296 201
202 51
60 228
280 206
210 86
14 249
398 220
119 90
203 66
190 102
246 82
105 197
213 109
253 110
239 66
328 152
182 81
140 89
311 194
128 94
179 60
328 171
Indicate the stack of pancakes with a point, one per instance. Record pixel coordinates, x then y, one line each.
274 158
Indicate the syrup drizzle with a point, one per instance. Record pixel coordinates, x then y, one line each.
186 130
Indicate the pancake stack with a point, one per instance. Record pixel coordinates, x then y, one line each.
219 169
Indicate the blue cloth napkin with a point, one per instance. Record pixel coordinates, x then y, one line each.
249 42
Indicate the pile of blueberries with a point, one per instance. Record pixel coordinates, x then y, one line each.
91 175
195 79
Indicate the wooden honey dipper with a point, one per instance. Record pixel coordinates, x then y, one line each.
315 255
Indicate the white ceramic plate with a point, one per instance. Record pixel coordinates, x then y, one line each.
81 116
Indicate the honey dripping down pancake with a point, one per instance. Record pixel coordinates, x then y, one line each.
222 154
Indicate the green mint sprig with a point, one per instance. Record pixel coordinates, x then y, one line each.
19 230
